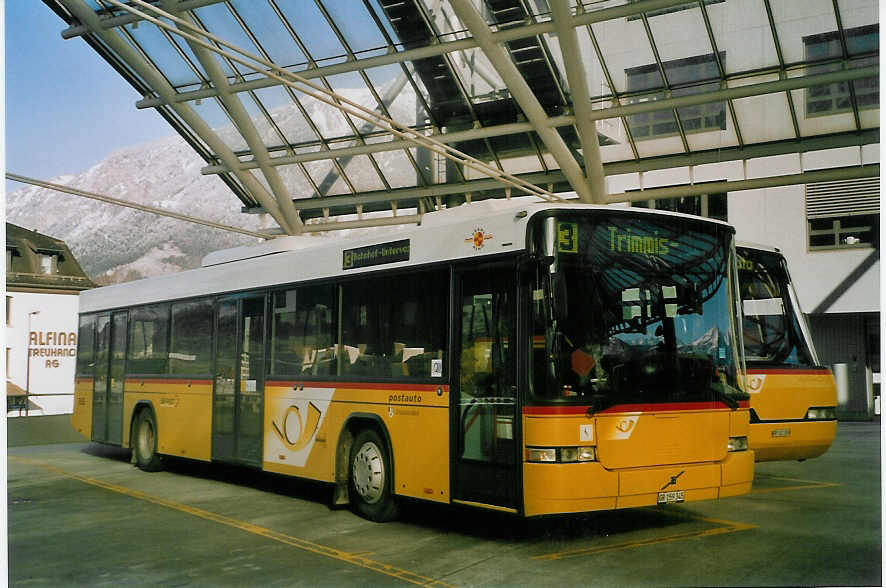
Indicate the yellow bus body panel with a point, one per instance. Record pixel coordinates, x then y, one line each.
782 398
551 488
303 429
184 414
81 418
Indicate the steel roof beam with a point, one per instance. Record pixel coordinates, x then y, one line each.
851 139
245 125
581 101
502 36
156 80
565 120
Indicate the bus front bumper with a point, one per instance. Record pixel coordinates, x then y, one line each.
582 487
790 440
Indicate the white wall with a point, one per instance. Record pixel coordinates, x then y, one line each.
47 373
777 217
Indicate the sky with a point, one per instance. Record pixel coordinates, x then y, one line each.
66 109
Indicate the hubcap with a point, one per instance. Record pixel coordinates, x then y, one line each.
146 438
369 473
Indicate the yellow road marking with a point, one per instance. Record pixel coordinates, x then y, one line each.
804 485
724 528
351 558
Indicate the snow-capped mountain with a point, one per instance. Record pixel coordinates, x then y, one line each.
114 244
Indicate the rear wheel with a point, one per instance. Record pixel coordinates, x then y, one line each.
370 478
144 442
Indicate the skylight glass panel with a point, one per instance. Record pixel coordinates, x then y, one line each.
361 172
295 181
266 25
327 178
328 119
396 167
356 25
741 30
680 35
625 46
398 95
763 118
164 55
313 30
617 147
286 115
799 19
479 79
217 119
351 86
218 20
858 13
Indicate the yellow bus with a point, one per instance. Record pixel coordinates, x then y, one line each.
793 399
525 357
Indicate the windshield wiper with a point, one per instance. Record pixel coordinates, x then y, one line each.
729 399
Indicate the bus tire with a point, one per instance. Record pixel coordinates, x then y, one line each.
370 477
144 442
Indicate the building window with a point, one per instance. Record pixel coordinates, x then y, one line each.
11 254
693 75
48 263
844 232
706 205
843 214
835 98
9 311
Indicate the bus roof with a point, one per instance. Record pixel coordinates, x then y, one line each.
757 246
451 234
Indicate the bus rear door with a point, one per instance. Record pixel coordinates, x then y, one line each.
238 382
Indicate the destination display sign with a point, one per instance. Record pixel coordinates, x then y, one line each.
375 254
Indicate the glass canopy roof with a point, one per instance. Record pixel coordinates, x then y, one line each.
414 105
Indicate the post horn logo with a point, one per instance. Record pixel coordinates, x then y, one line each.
295 432
625 425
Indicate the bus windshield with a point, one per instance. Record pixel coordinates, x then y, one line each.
772 333
633 308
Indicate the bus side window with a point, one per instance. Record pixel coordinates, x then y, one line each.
303 331
395 327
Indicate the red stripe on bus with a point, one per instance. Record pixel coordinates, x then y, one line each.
788 371
359 385
168 381
650 407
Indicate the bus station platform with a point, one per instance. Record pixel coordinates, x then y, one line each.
81 514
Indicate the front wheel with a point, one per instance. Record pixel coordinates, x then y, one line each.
144 442
370 478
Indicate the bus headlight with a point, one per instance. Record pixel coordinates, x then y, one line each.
561 454
821 413
738 444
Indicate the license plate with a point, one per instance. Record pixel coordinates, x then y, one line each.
670 497
781 432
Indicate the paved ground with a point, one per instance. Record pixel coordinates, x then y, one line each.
82 515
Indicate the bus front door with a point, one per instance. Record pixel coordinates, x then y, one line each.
486 462
238 383
107 392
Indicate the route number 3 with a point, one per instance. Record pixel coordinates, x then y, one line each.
567 237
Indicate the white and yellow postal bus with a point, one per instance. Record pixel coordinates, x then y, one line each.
546 358
793 398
